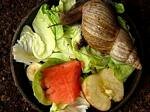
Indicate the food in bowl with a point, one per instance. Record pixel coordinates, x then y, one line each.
75 64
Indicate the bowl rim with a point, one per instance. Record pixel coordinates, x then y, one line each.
119 105
12 59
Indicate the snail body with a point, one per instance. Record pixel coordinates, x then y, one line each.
100 30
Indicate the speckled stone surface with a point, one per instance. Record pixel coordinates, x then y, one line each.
11 13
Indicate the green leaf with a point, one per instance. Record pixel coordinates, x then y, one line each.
75 34
92 60
122 71
56 27
41 25
64 46
60 55
122 23
119 8
23 50
65 5
57 107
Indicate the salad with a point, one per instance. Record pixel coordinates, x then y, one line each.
66 74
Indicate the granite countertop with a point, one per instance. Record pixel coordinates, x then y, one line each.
11 13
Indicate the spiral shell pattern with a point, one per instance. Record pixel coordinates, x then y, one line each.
101 32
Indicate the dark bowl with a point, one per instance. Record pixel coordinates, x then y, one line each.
24 86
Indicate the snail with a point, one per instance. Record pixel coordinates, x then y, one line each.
100 30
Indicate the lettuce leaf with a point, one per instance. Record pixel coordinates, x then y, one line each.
64 45
23 49
68 45
119 8
65 5
68 4
80 105
75 34
59 55
47 25
35 47
55 26
57 107
122 71
123 23
93 62
41 25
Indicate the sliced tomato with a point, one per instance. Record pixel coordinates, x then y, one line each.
62 82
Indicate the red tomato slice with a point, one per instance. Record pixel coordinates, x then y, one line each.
62 82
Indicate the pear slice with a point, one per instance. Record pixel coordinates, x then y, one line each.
100 89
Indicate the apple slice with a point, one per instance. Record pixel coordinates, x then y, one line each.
100 89
113 87
94 93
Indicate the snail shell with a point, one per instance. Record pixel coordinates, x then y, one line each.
100 30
